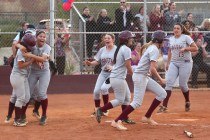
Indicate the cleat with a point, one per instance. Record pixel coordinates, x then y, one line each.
43 120
106 113
162 109
93 114
7 119
98 115
24 119
128 121
118 125
149 121
36 114
187 106
19 123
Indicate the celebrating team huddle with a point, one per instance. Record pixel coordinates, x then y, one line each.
30 75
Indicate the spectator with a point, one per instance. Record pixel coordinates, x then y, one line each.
165 7
187 25
141 17
104 23
199 64
135 54
123 17
190 18
90 27
205 26
137 28
172 17
60 53
18 37
157 19
196 35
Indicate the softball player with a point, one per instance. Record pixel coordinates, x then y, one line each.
30 29
19 80
122 64
180 59
40 72
143 82
104 57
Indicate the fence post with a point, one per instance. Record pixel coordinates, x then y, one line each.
52 19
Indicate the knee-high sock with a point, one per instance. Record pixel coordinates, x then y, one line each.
36 106
186 96
18 113
106 107
165 101
125 113
24 108
44 104
105 98
10 109
153 106
97 103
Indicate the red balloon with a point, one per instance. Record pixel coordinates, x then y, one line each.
66 6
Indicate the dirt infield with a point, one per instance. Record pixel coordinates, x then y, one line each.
69 119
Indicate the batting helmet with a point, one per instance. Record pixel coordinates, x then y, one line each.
159 36
29 41
124 36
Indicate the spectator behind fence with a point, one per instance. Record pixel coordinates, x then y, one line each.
165 6
135 55
137 28
60 53
104 23
123 16
172 17
90 27
190 18
18 37
199 64
141 17
196 35
187 25
157 19
205 26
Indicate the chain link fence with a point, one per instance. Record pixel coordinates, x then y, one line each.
85 36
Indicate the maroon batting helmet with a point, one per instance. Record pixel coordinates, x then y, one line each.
29 41
124 36
159 36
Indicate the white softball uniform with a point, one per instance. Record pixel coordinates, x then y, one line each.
19 81
105 57
143 82
40 72
117 78
181 62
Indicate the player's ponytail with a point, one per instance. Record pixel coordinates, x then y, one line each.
144 47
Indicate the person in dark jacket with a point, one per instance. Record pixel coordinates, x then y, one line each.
90 27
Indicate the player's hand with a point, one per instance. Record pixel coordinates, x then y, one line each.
28 55
108 68
182 50
163 81
128 7
86 62
23 49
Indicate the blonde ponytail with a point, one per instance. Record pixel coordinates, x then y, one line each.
144 47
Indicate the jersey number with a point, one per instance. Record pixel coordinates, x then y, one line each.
181 54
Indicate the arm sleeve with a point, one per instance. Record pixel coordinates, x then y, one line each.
127 53
189 40
153 55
